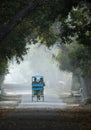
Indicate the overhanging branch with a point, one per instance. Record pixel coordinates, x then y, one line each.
17 19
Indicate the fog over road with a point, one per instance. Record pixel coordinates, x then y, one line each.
51 101
13 90
38 61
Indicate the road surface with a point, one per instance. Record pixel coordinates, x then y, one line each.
11 92
42 119
52 114
50 101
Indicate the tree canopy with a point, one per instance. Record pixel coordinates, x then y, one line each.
23 22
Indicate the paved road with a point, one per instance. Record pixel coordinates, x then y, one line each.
50 101
11 92
48 115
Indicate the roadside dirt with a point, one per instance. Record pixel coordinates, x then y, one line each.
72 118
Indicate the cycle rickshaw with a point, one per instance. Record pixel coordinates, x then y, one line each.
38 87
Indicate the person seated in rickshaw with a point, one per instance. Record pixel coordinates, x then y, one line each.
34 80
41 81
40 92
43 84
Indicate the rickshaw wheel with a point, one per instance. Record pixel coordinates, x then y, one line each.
43 98
32 98
38 98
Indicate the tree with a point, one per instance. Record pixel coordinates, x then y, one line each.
23 21
41 15
77 25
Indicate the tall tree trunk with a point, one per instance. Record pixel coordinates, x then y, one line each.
80 83
1 82
84 88
75 82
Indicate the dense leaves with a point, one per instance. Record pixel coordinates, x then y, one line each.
37 24
75 30
75 19
77 25
9 8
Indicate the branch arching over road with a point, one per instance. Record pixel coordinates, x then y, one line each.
17 19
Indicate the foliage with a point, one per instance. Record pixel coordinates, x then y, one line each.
80 59
3 67
64 59
76 31
38 23
9 8
77 25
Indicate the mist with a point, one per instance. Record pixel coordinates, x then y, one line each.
39 61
